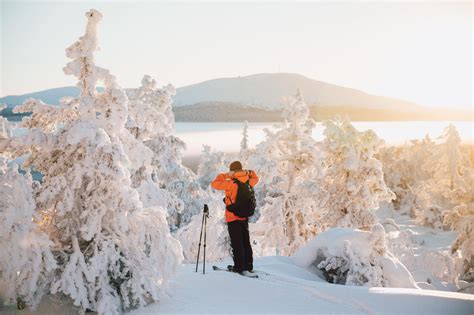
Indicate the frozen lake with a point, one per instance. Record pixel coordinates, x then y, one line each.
226 137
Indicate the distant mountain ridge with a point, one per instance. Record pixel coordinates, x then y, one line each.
258 90
50 96
267 90
259 97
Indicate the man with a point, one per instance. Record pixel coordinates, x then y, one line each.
238 227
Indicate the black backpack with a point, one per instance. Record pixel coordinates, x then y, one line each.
245 203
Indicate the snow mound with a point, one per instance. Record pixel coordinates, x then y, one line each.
354 257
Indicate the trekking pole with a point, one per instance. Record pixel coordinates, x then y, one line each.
199 248
206 210
206 215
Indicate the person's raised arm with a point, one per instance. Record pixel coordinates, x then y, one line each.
253 178
222 182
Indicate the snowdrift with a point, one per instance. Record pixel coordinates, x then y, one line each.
354 257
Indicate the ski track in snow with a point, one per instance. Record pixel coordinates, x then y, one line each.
318 294
356 305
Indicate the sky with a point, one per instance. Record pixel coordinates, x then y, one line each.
417 51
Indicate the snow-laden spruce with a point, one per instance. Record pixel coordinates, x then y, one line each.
244 151
404 170
352 185
111 252
26 260
152 123
287 161
211 163
461 219
450 183
354 257
150 109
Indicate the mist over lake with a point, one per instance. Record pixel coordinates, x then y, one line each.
226 136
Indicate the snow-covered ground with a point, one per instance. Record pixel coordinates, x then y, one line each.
283 287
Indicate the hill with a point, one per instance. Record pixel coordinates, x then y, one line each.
50 96
267 91
259 97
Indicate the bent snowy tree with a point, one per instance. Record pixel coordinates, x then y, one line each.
111 252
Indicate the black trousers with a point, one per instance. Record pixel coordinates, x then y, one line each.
240 242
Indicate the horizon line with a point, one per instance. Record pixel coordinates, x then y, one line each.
460 107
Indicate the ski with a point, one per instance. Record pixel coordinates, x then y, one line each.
253 275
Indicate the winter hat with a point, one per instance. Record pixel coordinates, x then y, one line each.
235 166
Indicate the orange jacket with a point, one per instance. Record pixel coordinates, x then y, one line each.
225 182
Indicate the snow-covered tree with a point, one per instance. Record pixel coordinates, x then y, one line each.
287 219
261 160
452 192
150 109
183 185
428 178
152 123
211 163
416 154
452 169
244 144
26 260
404 171
111 252
353 184
461 219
